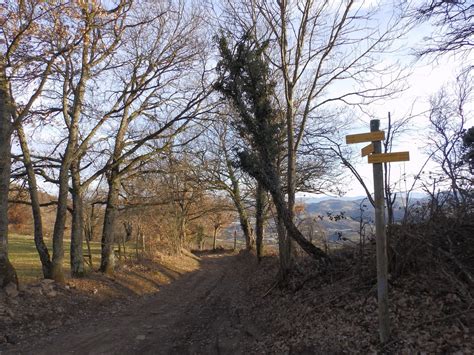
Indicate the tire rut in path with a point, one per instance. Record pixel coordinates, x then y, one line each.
201 312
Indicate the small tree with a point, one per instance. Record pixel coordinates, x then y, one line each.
219 220
447 131
219 173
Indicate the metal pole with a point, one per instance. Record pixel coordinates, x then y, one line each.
381 239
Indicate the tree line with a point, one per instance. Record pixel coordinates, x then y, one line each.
144 106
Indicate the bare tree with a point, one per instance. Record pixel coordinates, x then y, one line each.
394 129
35 204
168 199
244 80
220 171
448 116
313 46
220 219
100 30
151 100
468 142
27 57
453 21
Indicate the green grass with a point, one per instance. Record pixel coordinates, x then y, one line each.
25 258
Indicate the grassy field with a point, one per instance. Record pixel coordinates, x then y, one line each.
25 259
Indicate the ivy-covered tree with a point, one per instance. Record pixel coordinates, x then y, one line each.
245 80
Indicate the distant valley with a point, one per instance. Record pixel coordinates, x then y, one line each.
334 219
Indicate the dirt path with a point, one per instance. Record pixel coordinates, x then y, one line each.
201 312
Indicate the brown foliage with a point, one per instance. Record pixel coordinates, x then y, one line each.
443 244
336 311
20 219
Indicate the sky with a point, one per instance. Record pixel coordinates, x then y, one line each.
425 81
427 77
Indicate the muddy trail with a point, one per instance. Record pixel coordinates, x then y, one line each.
201 312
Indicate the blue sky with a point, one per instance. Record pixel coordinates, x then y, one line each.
427 77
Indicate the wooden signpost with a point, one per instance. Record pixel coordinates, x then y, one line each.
369 149
388 157
376 157
365 137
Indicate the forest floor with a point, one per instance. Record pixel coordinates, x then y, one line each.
225 303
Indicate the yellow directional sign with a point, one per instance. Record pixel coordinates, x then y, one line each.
389 157
374 154
369 149
365 137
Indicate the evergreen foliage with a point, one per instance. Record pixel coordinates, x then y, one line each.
245 80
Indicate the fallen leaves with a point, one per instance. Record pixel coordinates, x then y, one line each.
341 315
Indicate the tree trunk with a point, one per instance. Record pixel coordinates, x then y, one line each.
70 155
89 252
60 225
214 240
245 225
41 247
128 226
270 179
284 251
182 232
261 197
61 209
107 254
290 121
7 272
243 218
89 234
77 228
291 171
107 262
292 230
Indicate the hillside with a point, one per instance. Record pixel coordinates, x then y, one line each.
355 208
326 213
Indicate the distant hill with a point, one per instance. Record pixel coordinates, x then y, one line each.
353 208
335 206
317 210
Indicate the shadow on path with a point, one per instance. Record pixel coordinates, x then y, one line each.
199 312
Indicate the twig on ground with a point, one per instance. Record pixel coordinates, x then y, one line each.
270 289
442 319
